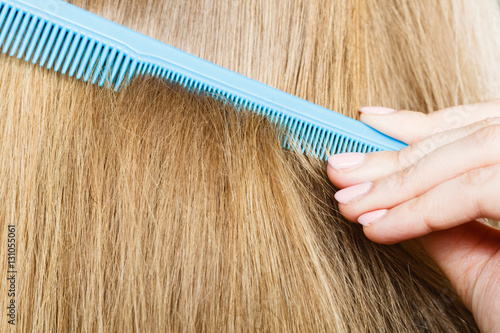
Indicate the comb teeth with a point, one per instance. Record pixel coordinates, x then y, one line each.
54 46
62 37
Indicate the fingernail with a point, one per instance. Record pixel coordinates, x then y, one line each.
376 110
353 193
347 161
372 217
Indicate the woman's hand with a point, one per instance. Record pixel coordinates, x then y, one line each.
435 189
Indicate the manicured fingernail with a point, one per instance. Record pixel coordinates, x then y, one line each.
372 217
376 110
353 193
347 161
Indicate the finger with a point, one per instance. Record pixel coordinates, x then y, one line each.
353 168
409 127
462 199
475 151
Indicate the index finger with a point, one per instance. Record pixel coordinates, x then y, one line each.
411 126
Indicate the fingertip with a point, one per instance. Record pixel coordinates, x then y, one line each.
333 175
377 237
346 161
340 165
378 231
343 179
372 217
346 213
361 167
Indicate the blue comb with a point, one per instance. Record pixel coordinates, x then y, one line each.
72 41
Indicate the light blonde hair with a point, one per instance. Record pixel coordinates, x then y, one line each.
157 208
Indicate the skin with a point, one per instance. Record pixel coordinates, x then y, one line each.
435 190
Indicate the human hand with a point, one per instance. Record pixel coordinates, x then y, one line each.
434 190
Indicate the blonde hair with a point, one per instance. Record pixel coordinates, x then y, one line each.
156 208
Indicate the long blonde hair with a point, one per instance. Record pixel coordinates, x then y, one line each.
160 209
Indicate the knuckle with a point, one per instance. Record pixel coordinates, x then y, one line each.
415 209
402 156
429 225
477 177
489 121
487 133
400 179
409 155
